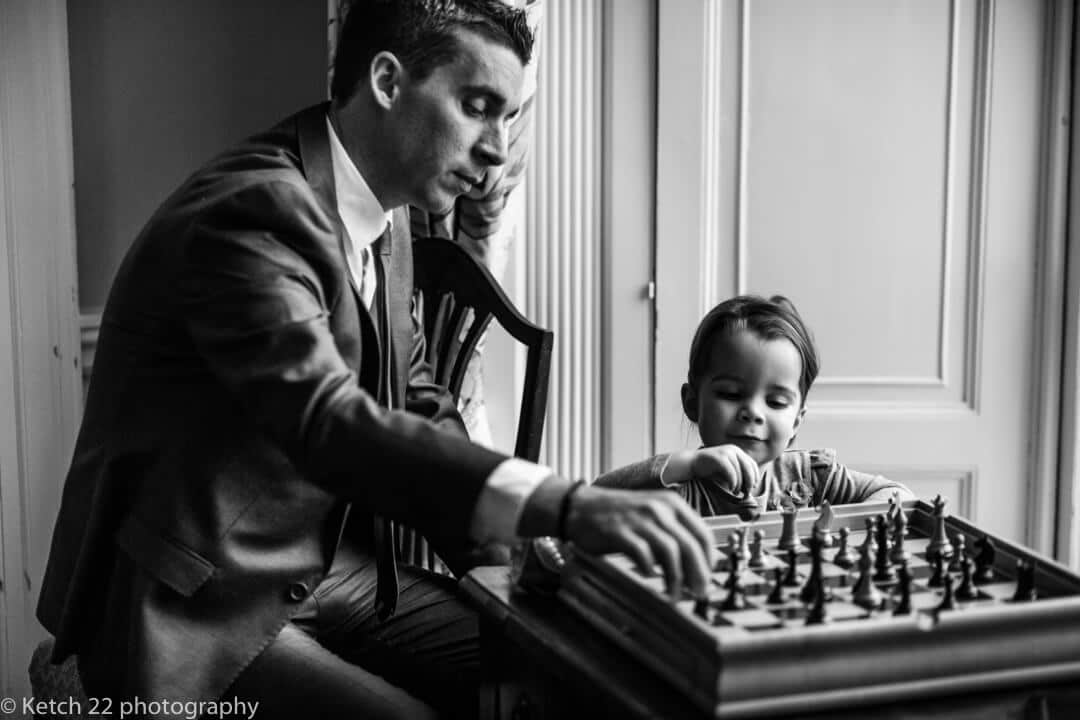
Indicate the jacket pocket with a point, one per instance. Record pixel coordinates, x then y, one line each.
173 563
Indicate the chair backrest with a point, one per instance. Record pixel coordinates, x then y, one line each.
457 298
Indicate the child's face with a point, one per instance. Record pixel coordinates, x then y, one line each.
748 395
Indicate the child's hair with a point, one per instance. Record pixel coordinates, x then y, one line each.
770 319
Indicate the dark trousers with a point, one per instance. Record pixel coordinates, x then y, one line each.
337 659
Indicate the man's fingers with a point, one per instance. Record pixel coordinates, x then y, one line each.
693 564
639 551
666 550
699 531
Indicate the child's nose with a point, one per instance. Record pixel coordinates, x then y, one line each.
750 412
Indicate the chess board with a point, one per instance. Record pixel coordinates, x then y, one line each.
766 658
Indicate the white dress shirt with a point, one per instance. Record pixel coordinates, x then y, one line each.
514 480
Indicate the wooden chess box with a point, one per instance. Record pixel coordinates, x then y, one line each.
765 658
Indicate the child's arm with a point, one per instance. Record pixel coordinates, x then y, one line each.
839 484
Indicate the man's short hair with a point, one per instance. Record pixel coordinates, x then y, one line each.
420 34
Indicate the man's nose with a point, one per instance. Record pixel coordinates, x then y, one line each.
492 147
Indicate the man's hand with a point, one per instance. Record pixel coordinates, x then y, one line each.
652 527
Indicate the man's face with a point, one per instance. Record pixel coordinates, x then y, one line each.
450 128
749 394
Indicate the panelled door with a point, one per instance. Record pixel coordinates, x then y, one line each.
882 165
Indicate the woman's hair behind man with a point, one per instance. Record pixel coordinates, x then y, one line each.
420 34
769 319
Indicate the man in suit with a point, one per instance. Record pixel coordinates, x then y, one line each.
259 410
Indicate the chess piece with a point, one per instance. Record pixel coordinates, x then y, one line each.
966 591
818 615
959 553
883 571
791 577
984 560
903 607
757 550
734 563
736 597
1025 581
776 597
937 578
948 601
868 541
824 521
845 556
748 508
701 609
899 554
865 593
815 584
789 537
742 547
939 542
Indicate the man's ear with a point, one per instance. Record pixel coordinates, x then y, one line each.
689 402
385 78
795 427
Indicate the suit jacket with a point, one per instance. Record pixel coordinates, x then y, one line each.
232 418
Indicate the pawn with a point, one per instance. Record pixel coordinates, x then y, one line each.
776 597
737 547
903 607
789 538
899 554
791 578
736 597
984 560
1025 581
866 594
966 591
845 556
701 609
957 562
937 579
948 601
757 550
734 565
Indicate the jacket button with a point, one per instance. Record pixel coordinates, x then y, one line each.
298 591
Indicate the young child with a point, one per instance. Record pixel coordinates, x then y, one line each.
752 362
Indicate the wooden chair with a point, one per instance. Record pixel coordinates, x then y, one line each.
457 298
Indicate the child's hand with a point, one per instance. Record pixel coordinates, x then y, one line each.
721 467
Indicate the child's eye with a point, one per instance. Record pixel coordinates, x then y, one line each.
779 403
475 110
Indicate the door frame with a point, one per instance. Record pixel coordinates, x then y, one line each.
40 387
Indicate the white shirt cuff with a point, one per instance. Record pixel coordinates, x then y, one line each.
503 498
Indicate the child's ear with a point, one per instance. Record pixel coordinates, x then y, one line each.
689 402
795 427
